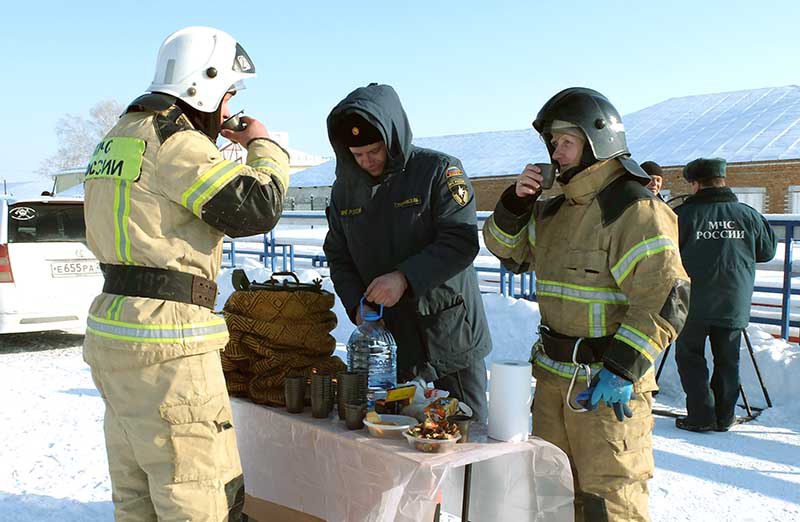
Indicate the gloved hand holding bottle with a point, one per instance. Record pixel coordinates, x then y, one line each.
610 388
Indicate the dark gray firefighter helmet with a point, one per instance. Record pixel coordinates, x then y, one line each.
600 122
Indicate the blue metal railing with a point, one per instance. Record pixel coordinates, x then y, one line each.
527 281
516 285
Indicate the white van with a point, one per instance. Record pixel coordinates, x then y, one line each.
48 276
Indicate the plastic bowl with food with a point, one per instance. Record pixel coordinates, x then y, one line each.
389 426
431 445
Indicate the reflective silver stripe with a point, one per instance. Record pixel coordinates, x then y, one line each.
266 164
638 341
214 178
597 326
115 308
644 249
562 369
504 239
156 333
122 210
583 294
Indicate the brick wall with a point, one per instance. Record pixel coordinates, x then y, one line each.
775 176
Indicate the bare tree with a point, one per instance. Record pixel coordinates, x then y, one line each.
78 136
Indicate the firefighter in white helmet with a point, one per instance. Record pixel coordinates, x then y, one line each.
159 200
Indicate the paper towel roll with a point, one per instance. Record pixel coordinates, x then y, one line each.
510 401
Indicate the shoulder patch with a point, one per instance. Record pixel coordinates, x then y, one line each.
551 206
453 171
618 196
154 102
168 117
170 122
460 191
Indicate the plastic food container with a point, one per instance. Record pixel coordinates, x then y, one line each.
432 445
400 423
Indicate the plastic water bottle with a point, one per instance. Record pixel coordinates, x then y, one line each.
372 349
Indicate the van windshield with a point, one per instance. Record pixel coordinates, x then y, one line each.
34 222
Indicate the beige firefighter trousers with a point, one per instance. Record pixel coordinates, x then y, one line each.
611 460
171 447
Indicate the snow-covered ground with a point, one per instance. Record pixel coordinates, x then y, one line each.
53 462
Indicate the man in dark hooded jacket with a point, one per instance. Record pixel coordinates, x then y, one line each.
403 234
721 240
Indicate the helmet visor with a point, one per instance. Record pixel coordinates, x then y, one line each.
236 87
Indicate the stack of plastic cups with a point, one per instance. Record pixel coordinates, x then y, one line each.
351 387
321 395
295 389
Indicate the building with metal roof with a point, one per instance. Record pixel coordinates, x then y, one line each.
757 131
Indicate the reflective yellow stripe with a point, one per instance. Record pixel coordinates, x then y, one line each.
222 179
638 341
157 333
646 248
122 210
115 308
597 320
562 369
273 169
581 294
507 240
208 184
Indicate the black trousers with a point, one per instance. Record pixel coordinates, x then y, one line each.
714 404
469 386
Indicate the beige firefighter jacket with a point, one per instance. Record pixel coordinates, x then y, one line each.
144 204
606 263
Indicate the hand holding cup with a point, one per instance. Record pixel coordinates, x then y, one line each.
535 178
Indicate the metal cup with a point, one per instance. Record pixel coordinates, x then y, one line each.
462 421
234 122
548 172
351 387
354 413
295 389
321 395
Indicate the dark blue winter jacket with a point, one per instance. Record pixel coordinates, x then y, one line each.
721 240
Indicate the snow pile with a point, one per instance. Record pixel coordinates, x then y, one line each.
54 466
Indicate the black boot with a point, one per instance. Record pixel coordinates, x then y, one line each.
682 423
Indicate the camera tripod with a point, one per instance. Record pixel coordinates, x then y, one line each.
752 411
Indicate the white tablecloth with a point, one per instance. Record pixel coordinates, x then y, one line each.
319 467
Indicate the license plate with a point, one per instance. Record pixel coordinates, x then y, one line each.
74 268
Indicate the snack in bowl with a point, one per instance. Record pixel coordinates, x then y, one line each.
388 426
433 436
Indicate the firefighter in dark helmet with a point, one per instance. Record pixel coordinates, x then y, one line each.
612 294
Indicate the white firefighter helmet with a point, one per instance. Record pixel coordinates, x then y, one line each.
199 65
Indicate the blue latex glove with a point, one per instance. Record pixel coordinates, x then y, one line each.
611 389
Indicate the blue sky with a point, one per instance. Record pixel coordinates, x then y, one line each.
458 66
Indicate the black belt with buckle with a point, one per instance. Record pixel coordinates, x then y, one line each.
561 347
159 283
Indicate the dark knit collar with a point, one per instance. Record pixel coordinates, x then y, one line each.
712 195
